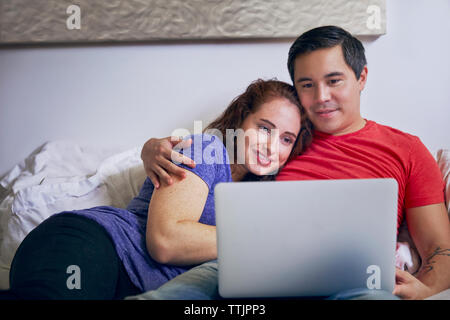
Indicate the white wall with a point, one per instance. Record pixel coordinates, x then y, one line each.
121 95
409 71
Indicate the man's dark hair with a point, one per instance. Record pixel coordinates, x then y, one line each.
327 37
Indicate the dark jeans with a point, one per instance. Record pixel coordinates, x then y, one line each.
201 283
68 257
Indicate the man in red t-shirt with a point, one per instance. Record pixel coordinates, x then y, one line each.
375 151
329 71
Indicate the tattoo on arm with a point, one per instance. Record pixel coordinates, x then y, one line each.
428 266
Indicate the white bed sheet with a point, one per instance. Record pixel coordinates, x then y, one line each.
59 176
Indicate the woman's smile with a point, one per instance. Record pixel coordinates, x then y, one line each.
262 159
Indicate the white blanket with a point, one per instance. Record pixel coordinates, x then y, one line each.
59 176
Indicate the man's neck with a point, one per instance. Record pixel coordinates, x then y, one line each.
358 125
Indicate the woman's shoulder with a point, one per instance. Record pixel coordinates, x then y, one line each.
205 139
210 156
206 149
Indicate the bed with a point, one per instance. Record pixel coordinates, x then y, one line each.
64 175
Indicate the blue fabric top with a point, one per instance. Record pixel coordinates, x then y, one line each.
127 227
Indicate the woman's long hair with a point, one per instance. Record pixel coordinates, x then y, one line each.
256 94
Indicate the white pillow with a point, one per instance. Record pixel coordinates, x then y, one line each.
443 160
61 176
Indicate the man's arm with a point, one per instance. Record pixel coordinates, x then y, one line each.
429 227
156 155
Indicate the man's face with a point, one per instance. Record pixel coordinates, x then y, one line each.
329 91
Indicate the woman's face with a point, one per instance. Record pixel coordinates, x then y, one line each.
270 135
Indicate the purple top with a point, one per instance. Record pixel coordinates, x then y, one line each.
127 227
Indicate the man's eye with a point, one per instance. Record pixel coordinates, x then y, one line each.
307 85
335 81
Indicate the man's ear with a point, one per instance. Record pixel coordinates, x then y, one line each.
363 78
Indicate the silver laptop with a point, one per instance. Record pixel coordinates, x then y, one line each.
305 238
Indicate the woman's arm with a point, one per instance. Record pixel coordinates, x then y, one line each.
156 155
174 235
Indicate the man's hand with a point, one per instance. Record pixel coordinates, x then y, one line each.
430 230
157 155
408 287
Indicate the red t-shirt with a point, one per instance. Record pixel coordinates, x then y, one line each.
375 151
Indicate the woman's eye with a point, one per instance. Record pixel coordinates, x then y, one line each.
264 128
287 140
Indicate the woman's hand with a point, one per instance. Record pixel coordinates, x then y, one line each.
157 155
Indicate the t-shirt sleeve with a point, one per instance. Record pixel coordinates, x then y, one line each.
211 158
425 185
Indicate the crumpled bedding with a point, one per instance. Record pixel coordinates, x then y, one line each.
58 176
